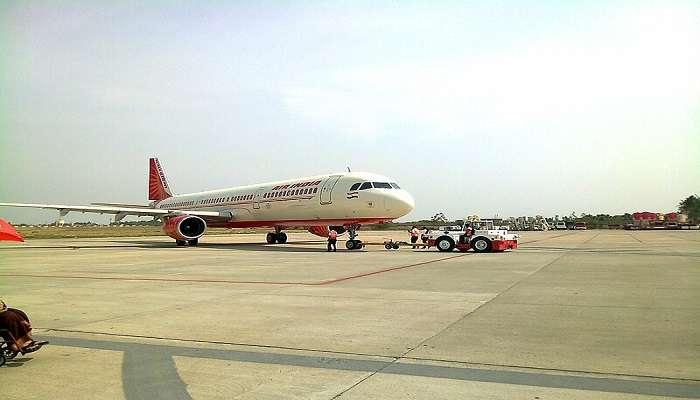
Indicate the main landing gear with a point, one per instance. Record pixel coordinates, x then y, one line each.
353 244
276 237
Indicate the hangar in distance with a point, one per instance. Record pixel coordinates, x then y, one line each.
344 201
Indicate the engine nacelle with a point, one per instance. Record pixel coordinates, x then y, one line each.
185 227
322 231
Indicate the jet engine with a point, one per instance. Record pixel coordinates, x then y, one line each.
185 227
322 231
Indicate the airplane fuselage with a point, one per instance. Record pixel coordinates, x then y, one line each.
316 200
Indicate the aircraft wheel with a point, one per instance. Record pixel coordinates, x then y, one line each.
388 246
193 242
271 238
395 246
181 243
281 238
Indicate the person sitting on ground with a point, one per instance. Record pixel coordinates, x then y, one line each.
14 324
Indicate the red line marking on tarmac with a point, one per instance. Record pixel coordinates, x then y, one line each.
381 271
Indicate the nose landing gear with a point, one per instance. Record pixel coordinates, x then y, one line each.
353 244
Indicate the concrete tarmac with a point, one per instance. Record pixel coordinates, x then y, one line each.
568 315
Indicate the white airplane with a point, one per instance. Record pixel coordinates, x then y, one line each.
342 201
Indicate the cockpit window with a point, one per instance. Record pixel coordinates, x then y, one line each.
366 185
355 186
395 186
381 185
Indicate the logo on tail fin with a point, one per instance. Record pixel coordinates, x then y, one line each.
158 188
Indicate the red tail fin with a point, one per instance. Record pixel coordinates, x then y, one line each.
158 188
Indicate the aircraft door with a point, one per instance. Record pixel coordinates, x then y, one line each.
258 198
327 189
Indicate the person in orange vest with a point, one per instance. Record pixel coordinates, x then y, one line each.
414 235
332 239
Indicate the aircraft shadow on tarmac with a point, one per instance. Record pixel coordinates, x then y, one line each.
289 247
319 247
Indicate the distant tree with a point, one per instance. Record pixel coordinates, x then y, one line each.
691 207
439 217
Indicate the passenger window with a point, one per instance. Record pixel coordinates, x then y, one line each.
381 185
315 190
366 185
355 186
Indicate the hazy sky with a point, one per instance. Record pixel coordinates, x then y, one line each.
509 108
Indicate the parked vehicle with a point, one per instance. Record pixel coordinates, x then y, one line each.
483 240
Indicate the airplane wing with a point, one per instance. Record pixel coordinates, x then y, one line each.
121 212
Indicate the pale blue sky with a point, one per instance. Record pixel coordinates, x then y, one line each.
513 107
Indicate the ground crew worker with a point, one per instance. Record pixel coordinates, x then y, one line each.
425 235
414 235
332 238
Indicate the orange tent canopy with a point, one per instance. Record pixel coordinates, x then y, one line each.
8 232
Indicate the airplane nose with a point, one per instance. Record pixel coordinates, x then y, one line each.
400 203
